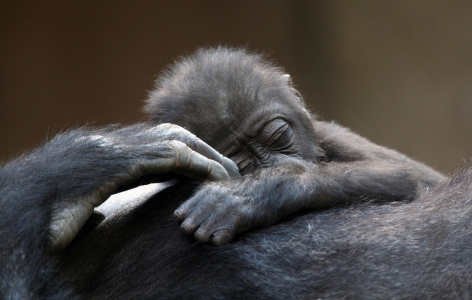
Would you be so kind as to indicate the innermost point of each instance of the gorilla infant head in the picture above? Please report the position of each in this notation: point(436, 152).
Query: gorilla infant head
point(247, 109)
point(239, 103)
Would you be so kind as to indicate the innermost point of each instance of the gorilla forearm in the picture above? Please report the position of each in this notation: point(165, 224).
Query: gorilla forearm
point(352, 169)
point(220, 210)
point(347, 148)
point(30, 187)
point(50, 193)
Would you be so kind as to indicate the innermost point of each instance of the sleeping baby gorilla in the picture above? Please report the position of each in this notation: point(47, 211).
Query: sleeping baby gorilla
point(291, 164)
point(248, 110)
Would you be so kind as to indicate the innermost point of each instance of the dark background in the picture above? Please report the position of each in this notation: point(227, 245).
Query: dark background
point(397, 72)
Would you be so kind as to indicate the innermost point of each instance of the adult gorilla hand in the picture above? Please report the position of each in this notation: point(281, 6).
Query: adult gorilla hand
point(131, 154)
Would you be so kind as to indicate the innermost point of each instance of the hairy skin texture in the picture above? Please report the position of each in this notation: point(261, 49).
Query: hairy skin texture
point(415, 250)
point(293, 166)
point(248, 111)
point(48, 195)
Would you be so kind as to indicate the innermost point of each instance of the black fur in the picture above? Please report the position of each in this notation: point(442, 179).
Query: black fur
point(415, 250)
point(246, 109)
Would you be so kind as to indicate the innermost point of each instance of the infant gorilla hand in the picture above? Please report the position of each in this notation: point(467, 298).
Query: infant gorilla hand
point(216, 213)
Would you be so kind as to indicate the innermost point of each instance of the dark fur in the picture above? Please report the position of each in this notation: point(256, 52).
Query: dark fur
point(32, 186)
point(237, 102)
point(417, 249)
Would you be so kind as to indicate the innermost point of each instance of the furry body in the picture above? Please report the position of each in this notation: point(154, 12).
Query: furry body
point(305, 216)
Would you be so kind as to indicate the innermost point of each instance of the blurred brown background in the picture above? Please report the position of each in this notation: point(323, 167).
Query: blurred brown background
point(397, 72)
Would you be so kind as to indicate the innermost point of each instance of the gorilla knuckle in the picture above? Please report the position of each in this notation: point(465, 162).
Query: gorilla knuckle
point(222, 236)
point(179, 214)
point(188, 226)
point(202, 235)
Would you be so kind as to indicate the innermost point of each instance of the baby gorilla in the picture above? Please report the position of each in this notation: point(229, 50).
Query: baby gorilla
point(247, 109)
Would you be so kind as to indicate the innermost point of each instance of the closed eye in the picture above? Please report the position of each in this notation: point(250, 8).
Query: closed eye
point(246, 166)
point(277, 136)
point(281, 139)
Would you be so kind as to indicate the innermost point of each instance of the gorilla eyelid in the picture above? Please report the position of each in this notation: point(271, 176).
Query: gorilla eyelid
point(244, 164)
point(281, 139)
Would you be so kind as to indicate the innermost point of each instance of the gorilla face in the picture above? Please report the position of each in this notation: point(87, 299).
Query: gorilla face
point(240, 104)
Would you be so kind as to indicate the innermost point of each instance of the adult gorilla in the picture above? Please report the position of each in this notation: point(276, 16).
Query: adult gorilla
point(291, 163)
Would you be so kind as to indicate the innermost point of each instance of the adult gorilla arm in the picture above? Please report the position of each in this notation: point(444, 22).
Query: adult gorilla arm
point(49, 194)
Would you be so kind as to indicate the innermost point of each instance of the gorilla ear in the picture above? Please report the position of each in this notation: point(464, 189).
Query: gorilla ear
point(288, 80)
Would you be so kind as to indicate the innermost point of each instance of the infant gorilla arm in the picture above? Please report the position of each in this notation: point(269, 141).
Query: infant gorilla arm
point(247, 110)
point(48, 195)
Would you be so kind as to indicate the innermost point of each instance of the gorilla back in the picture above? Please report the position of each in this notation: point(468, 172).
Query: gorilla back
point(415, 245)
point(247, 110)
point(415, 250)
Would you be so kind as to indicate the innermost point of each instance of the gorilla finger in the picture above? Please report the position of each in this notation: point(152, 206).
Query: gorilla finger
point(197, 216)
point(204, 149)
point(175, 132)
point(176, 157)
point(194, 165)
point(189, 226)
point(203, 233)
point(184, 209)
point(180, 214)
point(222, 236)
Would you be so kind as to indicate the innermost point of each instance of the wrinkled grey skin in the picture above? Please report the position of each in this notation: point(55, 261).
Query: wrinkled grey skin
point(294, 168)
